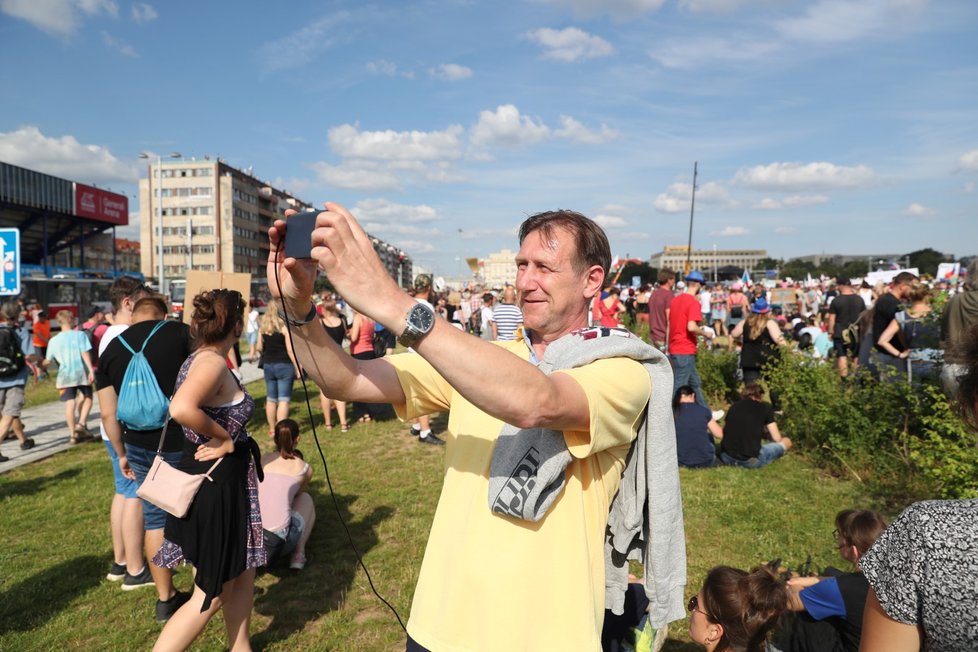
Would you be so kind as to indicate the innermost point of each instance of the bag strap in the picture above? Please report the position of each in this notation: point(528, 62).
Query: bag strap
point(158, 326)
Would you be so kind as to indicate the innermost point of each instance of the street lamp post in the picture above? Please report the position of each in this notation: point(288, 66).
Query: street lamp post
point(159, 213)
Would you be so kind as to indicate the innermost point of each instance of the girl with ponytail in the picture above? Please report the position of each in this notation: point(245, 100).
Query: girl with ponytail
point(735, 610)
point(287, 511)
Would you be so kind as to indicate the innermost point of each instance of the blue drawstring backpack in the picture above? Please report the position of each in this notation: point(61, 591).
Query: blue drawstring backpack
point(142, 405)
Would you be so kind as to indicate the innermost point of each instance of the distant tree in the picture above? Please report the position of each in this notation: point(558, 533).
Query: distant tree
point(927, 260)
point(799, 269)
point(769, 263)
point(646, 273)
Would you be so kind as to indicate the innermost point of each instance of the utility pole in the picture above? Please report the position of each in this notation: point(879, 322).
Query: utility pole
point(692, 207)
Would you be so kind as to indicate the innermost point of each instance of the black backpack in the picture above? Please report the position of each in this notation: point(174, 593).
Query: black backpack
point(11, 355)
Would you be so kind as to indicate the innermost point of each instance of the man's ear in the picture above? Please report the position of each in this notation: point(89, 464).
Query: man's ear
point(593, 281)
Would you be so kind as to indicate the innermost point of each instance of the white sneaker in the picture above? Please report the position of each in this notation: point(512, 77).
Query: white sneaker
point(298, 562)
point(718, 414)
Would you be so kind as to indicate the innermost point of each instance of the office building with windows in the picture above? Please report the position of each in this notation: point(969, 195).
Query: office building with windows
point(674, 257)
point(216, 218)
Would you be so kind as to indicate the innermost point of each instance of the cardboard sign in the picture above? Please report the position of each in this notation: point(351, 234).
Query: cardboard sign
point(198, 282)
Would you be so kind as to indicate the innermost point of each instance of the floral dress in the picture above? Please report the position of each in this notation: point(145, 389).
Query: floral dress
point(221, 535)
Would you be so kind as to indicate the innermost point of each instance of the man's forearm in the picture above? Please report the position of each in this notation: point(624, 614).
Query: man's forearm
point(338, 374)
point(518, 393)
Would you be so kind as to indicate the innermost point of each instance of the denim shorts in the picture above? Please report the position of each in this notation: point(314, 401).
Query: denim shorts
point(279, 377)
point(280, 543)
point(123, 485)
point(140, 459)
point(769, 453)
point(252, 338)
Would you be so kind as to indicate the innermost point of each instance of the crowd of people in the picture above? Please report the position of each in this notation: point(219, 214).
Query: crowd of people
point(584, 457)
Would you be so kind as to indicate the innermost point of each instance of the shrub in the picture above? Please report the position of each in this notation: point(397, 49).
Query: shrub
point(718, 373)
point(903, 441)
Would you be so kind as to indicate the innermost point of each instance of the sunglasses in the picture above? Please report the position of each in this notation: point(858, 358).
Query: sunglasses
point(694, 604)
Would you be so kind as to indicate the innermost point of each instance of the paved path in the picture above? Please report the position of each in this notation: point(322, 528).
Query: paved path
point(46, 425)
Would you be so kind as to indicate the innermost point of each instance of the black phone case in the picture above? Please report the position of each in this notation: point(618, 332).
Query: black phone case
point(298, 234)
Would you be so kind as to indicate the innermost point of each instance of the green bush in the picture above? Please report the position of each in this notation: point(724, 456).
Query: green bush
point(718, 374)
point(904, 442)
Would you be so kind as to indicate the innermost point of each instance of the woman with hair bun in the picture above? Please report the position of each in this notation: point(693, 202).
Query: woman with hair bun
point(735, 610)
point(221, 535)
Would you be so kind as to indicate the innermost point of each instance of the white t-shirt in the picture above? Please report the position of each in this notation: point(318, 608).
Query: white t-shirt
point(486, 315)
point(252, 325)
point(706, 298)
point(110, 334)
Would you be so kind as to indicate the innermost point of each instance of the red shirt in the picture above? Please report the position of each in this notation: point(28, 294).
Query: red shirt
point(684, 309)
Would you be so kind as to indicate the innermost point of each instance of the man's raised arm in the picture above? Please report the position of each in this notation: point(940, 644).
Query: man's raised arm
point(516, 391)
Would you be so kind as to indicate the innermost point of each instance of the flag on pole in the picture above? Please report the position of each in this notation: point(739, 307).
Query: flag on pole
point(745, 279)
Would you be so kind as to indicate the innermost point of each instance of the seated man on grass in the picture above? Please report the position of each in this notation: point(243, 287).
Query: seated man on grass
point(749, 419)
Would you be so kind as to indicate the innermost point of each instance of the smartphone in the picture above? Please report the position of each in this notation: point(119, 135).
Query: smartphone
point(298, 234)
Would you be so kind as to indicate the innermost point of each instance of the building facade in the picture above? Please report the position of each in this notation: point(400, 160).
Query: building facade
point(102, 252)
point(499, 269)
point(216, 218)
point(674, 257)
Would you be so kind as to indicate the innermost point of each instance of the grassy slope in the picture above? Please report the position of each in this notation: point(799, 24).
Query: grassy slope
point(57, 548)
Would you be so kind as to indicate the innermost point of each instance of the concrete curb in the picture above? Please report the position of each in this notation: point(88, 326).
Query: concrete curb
point(45, 424)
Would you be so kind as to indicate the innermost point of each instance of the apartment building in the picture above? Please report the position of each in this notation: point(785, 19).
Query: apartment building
point(216, 218)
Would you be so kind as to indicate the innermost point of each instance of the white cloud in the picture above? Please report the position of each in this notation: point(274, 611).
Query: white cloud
point(348, 141)
point(678, 196)
point(415, 247)
point(573, 130)
point(839, 21)
point(569, 44)
point(731, 231)
point(696, 52)
point(803, 176)
point(64, 157)
point(505, 126)
point(381, 210)
point(918, 210)
point(969, 160)
point(784, 230)
point(791, 202)
point(58, 17)
point(122, 48)
point(710, 6)
point(616, 8)
point(143, 13)
point(303, 45)
point(610, 221)
point(450, 72)
point(386, 160)
point(969, 187)
point(356, 177)
point(382, 67)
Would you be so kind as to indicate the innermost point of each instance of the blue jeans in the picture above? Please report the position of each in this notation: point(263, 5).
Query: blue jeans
point(140, 459)
point(769, 453)
point(684, 373)
point(123, 485)
point(278, 381)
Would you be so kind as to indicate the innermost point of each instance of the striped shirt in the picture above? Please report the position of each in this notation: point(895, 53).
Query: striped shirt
point(508, 318)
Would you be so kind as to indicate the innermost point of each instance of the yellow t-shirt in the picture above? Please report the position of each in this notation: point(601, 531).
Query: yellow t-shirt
point(493, 583)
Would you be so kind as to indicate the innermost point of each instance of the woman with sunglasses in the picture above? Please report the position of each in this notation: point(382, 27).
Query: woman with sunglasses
point(735, 610)
point(221, 535)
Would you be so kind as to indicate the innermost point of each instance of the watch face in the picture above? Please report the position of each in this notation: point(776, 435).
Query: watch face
point(422, 318)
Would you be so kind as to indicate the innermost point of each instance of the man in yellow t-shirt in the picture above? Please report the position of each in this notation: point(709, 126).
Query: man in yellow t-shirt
point(488, 581)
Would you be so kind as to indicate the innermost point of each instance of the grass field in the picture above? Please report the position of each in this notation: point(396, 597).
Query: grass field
point(56, 546)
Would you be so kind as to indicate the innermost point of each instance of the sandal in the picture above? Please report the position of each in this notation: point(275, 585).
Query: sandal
point(72, 440)
point(328, 426)
point(345, 428)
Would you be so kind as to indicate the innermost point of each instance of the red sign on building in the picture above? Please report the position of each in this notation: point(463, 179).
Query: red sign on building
point(101, 205)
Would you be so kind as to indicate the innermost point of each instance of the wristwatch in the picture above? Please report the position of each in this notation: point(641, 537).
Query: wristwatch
point(420, 321)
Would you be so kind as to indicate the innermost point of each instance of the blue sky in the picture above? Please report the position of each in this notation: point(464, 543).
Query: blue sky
point(821, 126)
